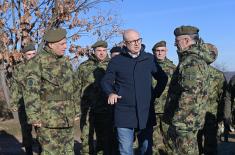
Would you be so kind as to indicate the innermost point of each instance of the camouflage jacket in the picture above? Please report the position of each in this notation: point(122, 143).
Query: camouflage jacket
point(216, 89)
point(51, 91)
point(229, 99)
point(89, 75)
point(16, 83)
point(168, 67)
point(216, 92)
point(188, 93)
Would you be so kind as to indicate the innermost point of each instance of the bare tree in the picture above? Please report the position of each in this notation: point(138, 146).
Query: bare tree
point(22, 21)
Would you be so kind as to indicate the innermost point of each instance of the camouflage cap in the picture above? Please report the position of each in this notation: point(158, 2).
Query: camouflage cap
point(185, 30)
point(159, 44)
point(117, 49)
point(55, 35)
point(28, 47)
point(100, 43)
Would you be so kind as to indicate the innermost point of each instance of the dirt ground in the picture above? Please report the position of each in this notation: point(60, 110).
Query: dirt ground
point(10, 141)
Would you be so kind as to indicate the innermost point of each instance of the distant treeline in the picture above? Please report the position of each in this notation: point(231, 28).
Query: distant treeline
point(228, 75)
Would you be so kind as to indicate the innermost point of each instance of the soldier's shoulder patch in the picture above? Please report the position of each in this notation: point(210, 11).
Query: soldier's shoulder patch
point(30, 82)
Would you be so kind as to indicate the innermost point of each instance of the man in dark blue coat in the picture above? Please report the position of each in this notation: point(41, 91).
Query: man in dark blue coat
point(128, 84)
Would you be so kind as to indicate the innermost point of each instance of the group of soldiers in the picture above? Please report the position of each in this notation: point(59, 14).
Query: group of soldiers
point(50, 97)
point(192, 112)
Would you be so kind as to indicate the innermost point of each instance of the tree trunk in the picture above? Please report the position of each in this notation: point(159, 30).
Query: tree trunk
point(5, 89)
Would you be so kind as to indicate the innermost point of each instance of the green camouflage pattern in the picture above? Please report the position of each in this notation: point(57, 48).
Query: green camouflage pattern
point(56, 141)
point(229, 112)
point(89, 75)
point(51, 91)
point(17, 102)
point(87, 134)
point(216, 92)
point(208, 136)
point(187, 98)
point(93, 100)
point(169, 68)
point(51, 98)
point(160, 142)
point(160, 130)
point(16, 91)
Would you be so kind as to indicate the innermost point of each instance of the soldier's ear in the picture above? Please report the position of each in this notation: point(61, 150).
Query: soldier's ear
point(166, 50)
point(50, 45)
point(188, 39)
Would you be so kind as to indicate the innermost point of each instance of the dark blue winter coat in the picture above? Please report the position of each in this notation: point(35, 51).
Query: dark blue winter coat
point(131, 78)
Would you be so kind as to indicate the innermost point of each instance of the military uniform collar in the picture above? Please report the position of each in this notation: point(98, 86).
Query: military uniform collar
point(162, 61)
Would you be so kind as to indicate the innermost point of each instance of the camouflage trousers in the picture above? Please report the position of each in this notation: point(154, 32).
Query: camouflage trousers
point(56, 141)
point(87, 134)
point(160, 144)
point(183, 142)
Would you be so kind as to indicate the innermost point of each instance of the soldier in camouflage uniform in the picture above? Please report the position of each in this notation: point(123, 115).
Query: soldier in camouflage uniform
point(50, 94)
point(187, 92)
point(160, 52)
point(214, 108)
point(229, 112)
point(17, 101)
point(96, 113)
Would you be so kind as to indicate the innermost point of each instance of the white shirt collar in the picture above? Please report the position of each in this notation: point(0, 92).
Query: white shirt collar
point(134, 55)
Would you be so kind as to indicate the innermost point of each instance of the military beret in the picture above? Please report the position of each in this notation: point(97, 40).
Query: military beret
point(116, 49)
point(55, 35)
point(100, 43)
point(29, 47)
point(186, 30)
point(159, 44)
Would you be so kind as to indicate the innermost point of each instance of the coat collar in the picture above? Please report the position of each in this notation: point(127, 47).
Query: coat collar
point(142, 55)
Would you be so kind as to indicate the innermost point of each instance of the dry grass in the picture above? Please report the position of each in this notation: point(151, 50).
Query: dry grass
point(11, 126)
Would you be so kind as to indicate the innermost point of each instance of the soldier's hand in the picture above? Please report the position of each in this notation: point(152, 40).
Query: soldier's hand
point(37, 124)
point(14, 109)
point(113, 98)
point(76, 118)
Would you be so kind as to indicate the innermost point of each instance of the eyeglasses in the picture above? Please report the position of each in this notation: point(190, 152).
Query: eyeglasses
point(133, 42)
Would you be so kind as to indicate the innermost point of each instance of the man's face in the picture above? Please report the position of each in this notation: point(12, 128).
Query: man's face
point(160, 53)
point(59, 47)
point(30, 54)
point(101, 53)
point(182, 42)
point(133, 42)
